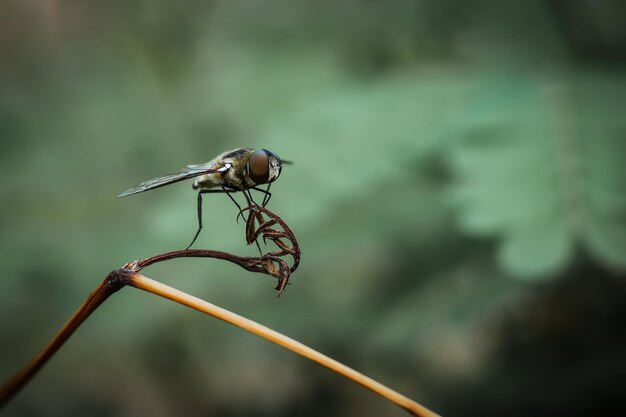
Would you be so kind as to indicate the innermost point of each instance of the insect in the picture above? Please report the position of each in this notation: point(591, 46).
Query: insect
point(242, 169)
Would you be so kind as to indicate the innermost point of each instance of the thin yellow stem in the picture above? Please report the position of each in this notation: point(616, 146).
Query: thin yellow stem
point(144, 283)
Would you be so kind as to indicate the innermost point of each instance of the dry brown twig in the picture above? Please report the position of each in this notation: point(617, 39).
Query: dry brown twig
point(272, 263)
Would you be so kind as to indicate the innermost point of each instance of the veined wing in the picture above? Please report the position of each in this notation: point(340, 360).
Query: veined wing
point(189, 172)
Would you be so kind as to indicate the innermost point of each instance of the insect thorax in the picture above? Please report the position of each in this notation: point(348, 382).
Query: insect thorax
point(234, 178)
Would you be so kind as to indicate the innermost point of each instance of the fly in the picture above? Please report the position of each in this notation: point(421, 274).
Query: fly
point(242, 169)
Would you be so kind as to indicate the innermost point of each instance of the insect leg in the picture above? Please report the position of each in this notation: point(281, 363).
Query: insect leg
point(232, 198)
point(249, 197)
point(200, 210)
point(267, 196)
point(228, 193)
point(199, 219)
point(234, 201)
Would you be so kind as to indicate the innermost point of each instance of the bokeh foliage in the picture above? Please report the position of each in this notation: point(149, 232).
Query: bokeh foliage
point(442, 151)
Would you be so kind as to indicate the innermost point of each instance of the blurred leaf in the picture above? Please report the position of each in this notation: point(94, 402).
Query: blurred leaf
point(544, 171)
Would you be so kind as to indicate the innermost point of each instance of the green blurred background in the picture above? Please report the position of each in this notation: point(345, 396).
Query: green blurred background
point(458, 194)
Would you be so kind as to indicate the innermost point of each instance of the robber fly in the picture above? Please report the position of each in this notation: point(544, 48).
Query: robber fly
point(242, 169)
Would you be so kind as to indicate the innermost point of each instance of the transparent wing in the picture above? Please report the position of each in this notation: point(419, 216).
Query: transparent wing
point(189, 172)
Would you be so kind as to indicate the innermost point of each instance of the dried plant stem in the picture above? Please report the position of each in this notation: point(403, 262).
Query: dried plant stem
point(122, 277)
point(100, 294)
point(154, 287)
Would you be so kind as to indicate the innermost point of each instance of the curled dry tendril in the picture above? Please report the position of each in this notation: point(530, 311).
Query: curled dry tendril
point(272, 263)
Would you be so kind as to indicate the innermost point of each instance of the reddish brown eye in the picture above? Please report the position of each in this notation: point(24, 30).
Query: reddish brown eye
point(259, 167)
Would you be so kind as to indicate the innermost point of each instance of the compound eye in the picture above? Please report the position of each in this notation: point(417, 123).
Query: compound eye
point(259, 167)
